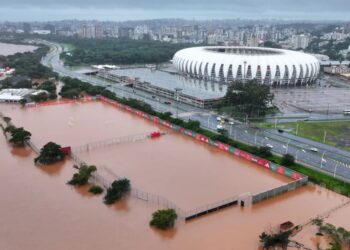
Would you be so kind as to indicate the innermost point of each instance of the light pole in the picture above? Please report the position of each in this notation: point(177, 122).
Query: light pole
point(287, 145)
point(256, 133)
point(177, 94)
point(322, 159)
point(297, 130)
point(244, 73)
point(324, 136)
point(335, 169)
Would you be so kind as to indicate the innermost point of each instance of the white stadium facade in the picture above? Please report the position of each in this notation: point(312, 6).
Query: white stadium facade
point(276, 67)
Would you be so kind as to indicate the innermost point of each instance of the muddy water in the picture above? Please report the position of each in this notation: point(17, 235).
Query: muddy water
point(76, 124)
point(39, 211)
point(10, 49)
point(189, 173)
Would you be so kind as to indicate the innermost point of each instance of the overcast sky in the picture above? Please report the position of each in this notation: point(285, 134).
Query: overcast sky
point(120, 10)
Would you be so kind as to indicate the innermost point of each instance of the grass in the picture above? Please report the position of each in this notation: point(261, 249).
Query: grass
point(69, 47)
point(337, 132)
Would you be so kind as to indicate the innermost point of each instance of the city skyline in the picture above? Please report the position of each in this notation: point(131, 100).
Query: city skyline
point(121, 10)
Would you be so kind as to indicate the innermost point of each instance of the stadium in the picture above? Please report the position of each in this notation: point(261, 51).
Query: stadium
point(275, 67)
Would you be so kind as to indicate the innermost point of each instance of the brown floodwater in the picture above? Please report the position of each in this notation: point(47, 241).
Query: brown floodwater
point(39, 211)
point(187, 172)
point(7, 49)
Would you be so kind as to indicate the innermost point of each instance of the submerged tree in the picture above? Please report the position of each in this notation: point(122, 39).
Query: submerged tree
point(275, 240)
point(164, 219)
point(116, 191)
point(19, 136)
point(50, 153)
point(83, 176)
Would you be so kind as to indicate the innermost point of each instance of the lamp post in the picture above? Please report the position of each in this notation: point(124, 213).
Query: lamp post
point(335, 169)
point(177, 95)
point(244, 73)
point(322, 159)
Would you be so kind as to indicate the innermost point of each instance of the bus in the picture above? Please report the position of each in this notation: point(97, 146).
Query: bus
point(346, 112)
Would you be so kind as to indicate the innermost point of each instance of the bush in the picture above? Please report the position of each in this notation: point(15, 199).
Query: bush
point(164, 219)
point(287, 160)
point(96, 190)
point(116, 191)
point(50, 153)
point(83, 176)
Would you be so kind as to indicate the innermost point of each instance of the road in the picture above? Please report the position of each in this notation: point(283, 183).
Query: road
point(329, 159)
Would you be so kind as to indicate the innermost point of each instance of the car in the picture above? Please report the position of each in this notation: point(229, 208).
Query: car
point(314, 150)
point(167, 103)
point(280, 131)
point(218, 118)
point(269, 146)
point(219, 127)
point(153, 96)
point(231, 122)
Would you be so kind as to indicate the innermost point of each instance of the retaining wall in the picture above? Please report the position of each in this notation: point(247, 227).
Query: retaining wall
point(279, 190)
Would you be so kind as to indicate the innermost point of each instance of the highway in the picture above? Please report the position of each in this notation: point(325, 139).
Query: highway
point(328, 159)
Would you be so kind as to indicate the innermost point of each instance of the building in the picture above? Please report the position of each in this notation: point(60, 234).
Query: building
point(300, 41)
point(16, 95)
point(337, 70)
point(266, 65)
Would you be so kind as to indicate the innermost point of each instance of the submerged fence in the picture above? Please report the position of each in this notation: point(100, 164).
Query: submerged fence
point(110, 142)
point(279, 190)
point(158, 200)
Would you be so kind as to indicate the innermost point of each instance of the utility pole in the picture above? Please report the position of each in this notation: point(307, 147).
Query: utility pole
point(297, 130)
point(177, 95)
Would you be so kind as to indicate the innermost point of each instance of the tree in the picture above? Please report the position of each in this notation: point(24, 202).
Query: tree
point(274, 240)
point(164, 219)
point(7, 119)
point(264, 152)
point(23, 102)
point(83, 176)
point(250, 97)
point(116, 191)
point(96, 190)
point(19, 136)
point(287, 160)
point(50, 153)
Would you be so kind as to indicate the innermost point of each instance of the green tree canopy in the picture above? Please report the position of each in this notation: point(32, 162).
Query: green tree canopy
point(250, 97)
point(83, 176)
point(116, 191)
point(19, 136)
point(163, 219)
point(50, 153)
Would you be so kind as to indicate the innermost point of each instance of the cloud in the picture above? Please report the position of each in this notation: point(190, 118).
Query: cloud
point(191, 9)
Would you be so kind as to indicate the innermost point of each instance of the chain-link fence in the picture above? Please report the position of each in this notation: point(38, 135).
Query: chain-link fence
point(110, 142)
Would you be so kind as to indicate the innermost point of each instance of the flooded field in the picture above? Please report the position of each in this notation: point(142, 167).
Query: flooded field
point(39, 211)
point(7, 49)
point(76, 124)
point(186, 172)
point(206, 174)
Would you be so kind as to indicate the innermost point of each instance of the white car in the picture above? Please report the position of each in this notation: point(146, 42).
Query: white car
point(269, 146)
point(314, 150)
point(219, 127)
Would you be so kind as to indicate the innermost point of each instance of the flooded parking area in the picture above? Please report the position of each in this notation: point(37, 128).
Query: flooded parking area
point(39, 211)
